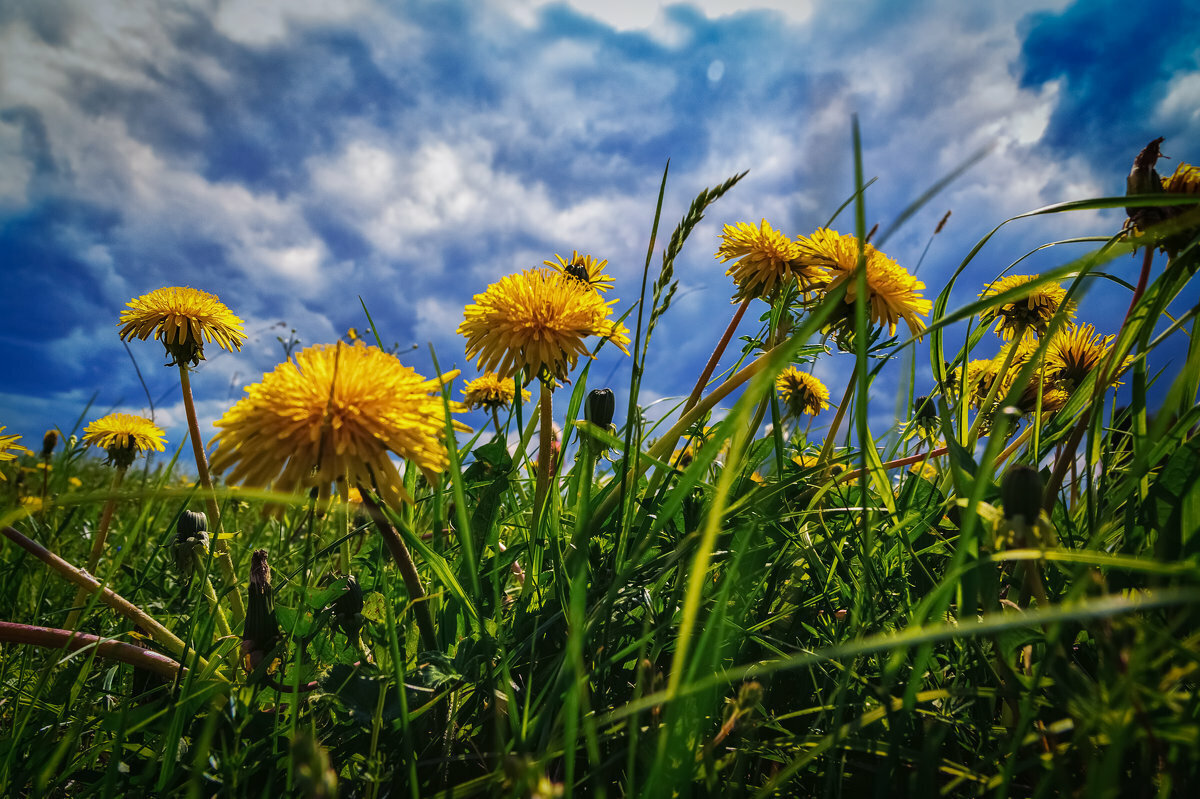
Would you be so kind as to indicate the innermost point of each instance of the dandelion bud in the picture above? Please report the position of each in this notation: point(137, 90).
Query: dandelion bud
point(600, 407)
point(49, 442)
point(191, 541)
point(262, 628)
point(925, 414)
point(1021, 492)
point(347, 610)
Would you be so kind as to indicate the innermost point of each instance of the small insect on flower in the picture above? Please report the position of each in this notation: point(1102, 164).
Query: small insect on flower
point(1030, 311)
point(123, 435)
point(183, 319)
point(585, 269)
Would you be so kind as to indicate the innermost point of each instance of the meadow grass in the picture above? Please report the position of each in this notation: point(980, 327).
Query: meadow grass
point(999, 600)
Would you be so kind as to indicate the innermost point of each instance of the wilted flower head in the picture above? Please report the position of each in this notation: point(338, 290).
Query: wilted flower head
point(49, 442)
point(9, 448)
point(183, 319)
point(492, 392)
point(1144, 179)
point(892, 293)
point(583, 268)
point(123, 435)
point(334, 414)
point(766, 259)
point(801, 393)
point(536, 322)
point(1031, 310)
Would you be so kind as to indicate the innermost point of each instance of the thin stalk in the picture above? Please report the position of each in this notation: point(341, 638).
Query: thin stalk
point(220, 548)
point(831, 436)
point(545, 453)
point(107, 648)
point(986, 408)
point(109, 597)
point(711, 366)
point(98, 540)
point(408, 569)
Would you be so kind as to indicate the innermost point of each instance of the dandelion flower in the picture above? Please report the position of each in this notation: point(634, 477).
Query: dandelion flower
point(9, 448)
point(334, 413)
point(766, 259)
point(1185, 180)
point(801, 392)
point(492, 392)
point(123, 435)
point(892, 293)
point(1075, 353)
point(183, 319)
point(583, 268)
point(536, 322)
point(1032, 310)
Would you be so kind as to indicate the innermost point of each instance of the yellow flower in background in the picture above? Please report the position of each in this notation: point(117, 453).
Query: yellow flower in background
point(123, 435)
point(766, 259)
point(1032, 311)
point(801, 392)
point(9, 448)
point(536, 322)
point(491, 391)
point(334, 414)
point(183, 319)
point(892, 293)
point(1185, 180)
point(1074, 353)
point(583, 268)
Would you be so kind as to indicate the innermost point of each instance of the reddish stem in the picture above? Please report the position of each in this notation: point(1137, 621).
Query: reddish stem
point(54, 638)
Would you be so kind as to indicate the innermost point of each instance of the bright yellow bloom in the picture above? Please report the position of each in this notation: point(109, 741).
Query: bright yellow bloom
point(536, 322)
point(766, 260)
point(491, 391)
point(1185, 180)
point(801, 392)
point(9, 448)
point(583, 268)
point(123, 435)
point(183, 319)
point(1032, 311)
point(1074, 353)
point(892, 293)
point(334, 414)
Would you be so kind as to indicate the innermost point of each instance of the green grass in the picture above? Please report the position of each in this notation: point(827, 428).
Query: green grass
point(733, 624)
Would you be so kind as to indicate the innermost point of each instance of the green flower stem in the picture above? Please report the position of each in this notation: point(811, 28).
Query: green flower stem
point(220, 548)
point(408, 569)
point(579, 541)
point(109, 597)
point(663, 448)
point(711, 366)
point(97, 545)
point(545, 452)
point(831, 435)
point(985, 409)
point(54, 638)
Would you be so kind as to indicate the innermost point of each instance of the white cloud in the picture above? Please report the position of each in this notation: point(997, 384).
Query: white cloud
point(1181, 105)
point(14, 180)
point(267, 22)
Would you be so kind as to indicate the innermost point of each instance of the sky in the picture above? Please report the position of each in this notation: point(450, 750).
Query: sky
point(298, 159)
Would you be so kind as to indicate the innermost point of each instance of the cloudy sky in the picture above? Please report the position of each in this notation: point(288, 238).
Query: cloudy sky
point(292, 157)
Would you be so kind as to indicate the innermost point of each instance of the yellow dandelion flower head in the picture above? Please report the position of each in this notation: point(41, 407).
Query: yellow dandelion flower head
point(335, 413)
point(981, 374)
point(583, 268)
point(892, 293)
point(1032, 311)
point(1074, 353)
point(683, 456)
point(183, 319)
point(1185, 180)
point(801, 392)
point(765, 260)
point(537, 322)
point(123, 435)
point(925, 469)
point(492, 392)
point(9, 448)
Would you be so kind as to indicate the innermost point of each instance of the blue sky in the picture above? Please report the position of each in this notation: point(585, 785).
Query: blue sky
point(291, 157)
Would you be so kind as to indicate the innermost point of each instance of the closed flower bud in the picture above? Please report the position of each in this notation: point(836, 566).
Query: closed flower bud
point(1021, 492)
point(601, 404)
point(49, 442)
point(191, 541)
point(262, 628)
